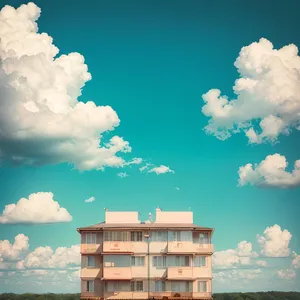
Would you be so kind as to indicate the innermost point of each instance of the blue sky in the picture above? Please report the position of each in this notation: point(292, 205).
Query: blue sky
point(151, 62)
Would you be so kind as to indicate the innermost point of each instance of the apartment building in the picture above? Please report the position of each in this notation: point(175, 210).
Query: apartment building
point(123, 258)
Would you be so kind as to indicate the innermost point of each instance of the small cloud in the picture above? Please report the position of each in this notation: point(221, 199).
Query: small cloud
point(89, 200)
point(134, 161)
point(177, 188)
point(161, 170)
point(261, 263)
point(286, 274)
point(122, 174)
point(296, 260)
point(145, 167)
point(38, 208)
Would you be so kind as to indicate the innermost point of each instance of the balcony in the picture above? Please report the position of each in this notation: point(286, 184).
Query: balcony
point(202, 272)
point(180, 273)
point(199, 296)
point(91, 273)
point(90, 248)
point(189, 247)
point(117, 273)
point(124, 247)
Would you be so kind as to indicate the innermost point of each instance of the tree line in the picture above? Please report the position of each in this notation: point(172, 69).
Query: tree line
point(219, 296)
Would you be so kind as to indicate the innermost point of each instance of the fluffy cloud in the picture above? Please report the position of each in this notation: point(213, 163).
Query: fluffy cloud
point(296, 260)
point(235, 275)
point(122, 174)
point(38, 208)
point(232, 258)
point(267, 93)
point(275, 242)
point(271, 172)
point(89, 200)
point(261, 263)
point(161, 170)
point(41, 119)
point(46, 257)
point(286, 274)
point(13, 251)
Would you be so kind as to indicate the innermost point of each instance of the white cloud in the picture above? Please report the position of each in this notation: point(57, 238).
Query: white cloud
point(275, 242)
point(38, 208)
point(134, 161)
point(296, 260)
point(89, 200)
point(236, 275)
point(161, 170)
point(41, 119)
point(177, 188)
point(122, 174)
point(232, 258)
point(46, 257)
point(267, 91)
point(13, 251)
point(271, 172)
point(261, 263)
point(286, 274)
point(145, 167)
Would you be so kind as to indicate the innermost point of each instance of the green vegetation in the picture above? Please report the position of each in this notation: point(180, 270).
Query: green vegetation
point(223, 296)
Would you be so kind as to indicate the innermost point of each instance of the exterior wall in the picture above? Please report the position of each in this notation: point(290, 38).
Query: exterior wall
point(189, 247)
point(185, 217)
point(115, 273)
point(91, 248)
point(117, 217)
point(116, 246)
point(98, 289)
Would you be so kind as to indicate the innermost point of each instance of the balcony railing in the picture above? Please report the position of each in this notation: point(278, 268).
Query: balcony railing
point(117, 273)
point(180, 273)
point(189, 247)
point(124, 247)
point(90, 248)
point(91, 273)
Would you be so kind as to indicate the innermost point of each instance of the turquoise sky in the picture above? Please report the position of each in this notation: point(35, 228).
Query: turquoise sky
point(152, 61)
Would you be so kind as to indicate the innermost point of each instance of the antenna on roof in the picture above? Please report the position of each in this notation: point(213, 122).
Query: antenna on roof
point(150, 217)
point(105, 208)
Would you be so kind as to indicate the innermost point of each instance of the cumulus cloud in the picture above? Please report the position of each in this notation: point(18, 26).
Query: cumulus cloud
point(13, 251)
point(275, 242)
point(38, 208)
point(296, 260)
point(286, 274)
point(233, 258)
point(267, 101)
point(236, 275)
point(271, 172)
point(46, 257)
point(122, 174)
point(89, 200)
point(41, 119)
point(161, 170)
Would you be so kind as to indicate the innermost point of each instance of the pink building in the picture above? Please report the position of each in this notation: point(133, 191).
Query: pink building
point(123, 258)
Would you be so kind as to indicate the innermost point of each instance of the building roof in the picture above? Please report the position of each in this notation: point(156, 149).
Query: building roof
point(103, 225)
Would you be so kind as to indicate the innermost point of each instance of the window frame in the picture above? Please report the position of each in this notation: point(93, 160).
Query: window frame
point(137, 286)
point(162, 286)
point(87, 261)
point(136, 258)
point(90, 241)
point(90, 283)
point(199, 286)
point(155, 260)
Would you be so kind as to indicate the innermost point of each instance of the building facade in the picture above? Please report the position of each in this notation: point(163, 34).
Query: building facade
point(123, 258)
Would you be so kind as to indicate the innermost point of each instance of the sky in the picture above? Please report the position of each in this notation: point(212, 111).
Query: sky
point(131, 105)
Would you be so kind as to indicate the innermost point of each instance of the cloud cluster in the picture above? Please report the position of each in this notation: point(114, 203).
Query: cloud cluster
point(296, 260)
point(160, 170)
point(41, 119)
point(271, 172)
point(233, 258)
point(46, 257)
point(267, 101)
point(13, 251)
point(275, 242)
point(38, 208)
point(122, 174)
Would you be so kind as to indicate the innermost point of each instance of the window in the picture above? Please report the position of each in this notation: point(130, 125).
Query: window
point(90, 286)
point(117, 286)
point(204, 238)
point(159, 236)
point(160, 286)
point(180, 236)
point(137, 261)
point(116, 260)
point(116, 236)
point(90, 238)
point(90, 261)
point(202, 286)
point(181, 286)
point(159, 261)
point(137, 286)
point(200, 261)
point(136, 236)
point(182, 261)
